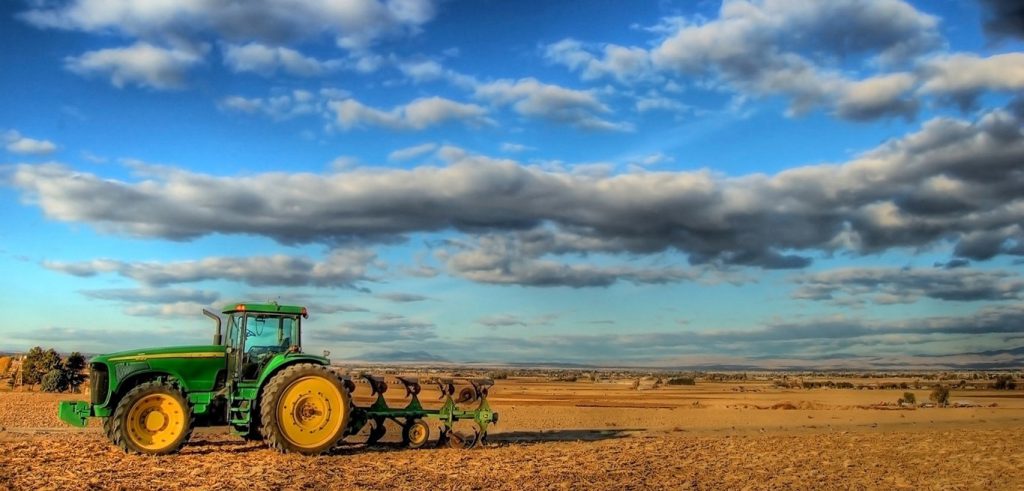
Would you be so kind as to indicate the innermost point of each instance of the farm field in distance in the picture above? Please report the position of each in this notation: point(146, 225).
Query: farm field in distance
point(609, 434)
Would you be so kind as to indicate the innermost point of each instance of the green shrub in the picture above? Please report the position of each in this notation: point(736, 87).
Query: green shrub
point(55, 381)
point(498, 375)
point(1005, 382)
point(682, 381)
point(940, 395)
point(38, 363)
point(909, 398)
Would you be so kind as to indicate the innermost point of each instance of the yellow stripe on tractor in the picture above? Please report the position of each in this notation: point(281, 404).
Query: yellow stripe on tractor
point(154, 356)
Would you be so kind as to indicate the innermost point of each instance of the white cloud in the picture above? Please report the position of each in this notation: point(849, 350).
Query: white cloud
point(623, 63)
point(355, 24)
point(170, 310)
point(417, 115)
point(15, 142)
point(268, 60)
point(877, 96)
point(952, 182)
point(91, 157)
point(773, 48)
point(658, 102)
point(140, 64)
point(656, 158)
point(965, 76)
point(509, 147)
point(278, 107)
point(341, 268)
point(531, 98)
point(429, 71)
point(412, 152)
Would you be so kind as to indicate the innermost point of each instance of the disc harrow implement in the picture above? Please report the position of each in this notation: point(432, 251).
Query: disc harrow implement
point(465, 403)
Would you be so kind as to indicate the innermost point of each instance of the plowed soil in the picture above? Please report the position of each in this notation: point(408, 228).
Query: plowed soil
point(578, 436)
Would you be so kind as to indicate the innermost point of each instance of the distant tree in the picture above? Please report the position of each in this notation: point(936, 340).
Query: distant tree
point(498, 375)
point(909, 398)
point(73, 367)
point(681, 381)
point(38, 363)
point(940, 395)
point(55, 381)
point(46, 367)
point(1005, 382)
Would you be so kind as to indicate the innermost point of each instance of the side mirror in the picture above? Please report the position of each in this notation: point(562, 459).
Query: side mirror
point(327, 353)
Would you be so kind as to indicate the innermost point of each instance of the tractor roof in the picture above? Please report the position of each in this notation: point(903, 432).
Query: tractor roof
point(269, 308)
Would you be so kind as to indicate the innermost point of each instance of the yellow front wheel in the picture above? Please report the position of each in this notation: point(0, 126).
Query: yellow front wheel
point(304, 408)
point(153, 418)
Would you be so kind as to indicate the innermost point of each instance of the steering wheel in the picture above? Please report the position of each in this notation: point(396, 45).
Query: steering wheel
point(260, 352)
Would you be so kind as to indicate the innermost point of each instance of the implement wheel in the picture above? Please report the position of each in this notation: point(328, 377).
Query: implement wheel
point(415, 433)
point(153, 418)
point(467, 394)
point(305, 409)
point(461, 440)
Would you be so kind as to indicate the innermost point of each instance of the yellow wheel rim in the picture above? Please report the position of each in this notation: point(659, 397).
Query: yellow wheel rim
point(310, 412)
point(155, 422)
point(418, 434)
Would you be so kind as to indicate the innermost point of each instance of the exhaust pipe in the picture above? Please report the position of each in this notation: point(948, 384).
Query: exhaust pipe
point(217, 337)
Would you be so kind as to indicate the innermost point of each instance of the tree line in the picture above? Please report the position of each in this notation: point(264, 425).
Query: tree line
point(51, 372)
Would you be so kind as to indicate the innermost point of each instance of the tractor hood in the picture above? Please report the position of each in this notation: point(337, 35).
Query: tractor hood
point(200, 351)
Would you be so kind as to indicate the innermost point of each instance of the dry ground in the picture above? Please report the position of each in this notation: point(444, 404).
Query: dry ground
point(581, 435)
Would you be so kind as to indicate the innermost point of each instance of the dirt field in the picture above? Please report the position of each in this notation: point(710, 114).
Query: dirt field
point(582, 435)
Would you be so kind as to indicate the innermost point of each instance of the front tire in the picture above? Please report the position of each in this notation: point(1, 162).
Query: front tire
point(153, 418)
point(304, 408)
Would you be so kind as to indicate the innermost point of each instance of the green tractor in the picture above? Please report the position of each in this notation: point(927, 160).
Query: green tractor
point(258, 381)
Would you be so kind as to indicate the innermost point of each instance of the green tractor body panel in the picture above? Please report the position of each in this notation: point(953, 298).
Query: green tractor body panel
point(282, 360)
point(195, 368)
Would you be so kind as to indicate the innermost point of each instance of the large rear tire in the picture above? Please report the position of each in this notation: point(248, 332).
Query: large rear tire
point(304, 408)
point(108, 428)
point(152, 418)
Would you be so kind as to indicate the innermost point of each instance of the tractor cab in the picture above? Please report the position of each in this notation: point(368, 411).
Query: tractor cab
point(255, 333)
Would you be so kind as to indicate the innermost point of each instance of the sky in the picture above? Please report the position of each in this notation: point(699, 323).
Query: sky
point(773, 184)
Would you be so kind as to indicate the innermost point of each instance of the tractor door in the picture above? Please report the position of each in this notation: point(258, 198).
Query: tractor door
point(235, 340)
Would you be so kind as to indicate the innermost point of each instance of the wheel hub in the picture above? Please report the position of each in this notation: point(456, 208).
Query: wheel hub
point(311, 411)
point(155, 420)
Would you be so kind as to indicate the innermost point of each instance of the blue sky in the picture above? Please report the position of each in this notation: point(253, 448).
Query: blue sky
point(749, 183)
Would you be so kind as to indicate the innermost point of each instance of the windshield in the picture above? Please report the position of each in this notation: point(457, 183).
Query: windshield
point(271, 333)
